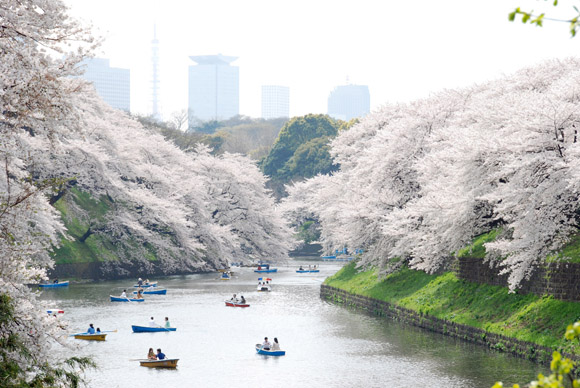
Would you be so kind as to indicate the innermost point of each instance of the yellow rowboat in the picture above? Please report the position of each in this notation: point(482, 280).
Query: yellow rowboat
point(91, 337)
point(167, 363)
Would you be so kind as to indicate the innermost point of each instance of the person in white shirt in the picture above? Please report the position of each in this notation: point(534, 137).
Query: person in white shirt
point(124, 294)
point(266, 345)
point(152, 323)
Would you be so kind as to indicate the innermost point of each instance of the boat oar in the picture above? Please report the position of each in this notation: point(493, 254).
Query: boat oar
point(137, 359)
point(108, 331)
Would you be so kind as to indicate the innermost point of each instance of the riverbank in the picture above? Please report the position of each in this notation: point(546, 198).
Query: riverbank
point(527, 325)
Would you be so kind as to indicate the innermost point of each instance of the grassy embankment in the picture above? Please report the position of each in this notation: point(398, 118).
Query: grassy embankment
point(98, 246)
point(537, 319)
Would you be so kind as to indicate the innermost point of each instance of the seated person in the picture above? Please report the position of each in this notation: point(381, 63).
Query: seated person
point(266, 345)
point(91, 329)
point(160, 356)
point(275, 345)
point(151, 355)
point(243, 300)
point(123, 294)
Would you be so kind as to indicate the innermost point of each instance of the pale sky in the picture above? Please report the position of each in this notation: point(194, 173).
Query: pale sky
point(403, 50)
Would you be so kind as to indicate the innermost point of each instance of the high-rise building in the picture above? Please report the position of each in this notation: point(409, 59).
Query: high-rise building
point(214, 88)
point(112, 84)
point(275, 101)
point(155, 75)
point(349, 101)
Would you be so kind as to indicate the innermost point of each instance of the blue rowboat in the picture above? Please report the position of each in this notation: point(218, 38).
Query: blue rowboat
point(269, 352)
point(153, 284)
point(328, 257)
point(147, 329)
point(54, 285)
point(266, 270)
point(119, 299)
point(154, 292)
point(307, 270)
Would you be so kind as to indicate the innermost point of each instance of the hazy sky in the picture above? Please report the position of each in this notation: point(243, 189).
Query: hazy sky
point(402, 50)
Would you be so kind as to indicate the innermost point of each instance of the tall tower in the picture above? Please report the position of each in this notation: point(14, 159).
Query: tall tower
point(213, 88)
point(155, 75)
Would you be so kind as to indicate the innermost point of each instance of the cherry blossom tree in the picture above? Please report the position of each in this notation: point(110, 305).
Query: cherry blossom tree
point(421, 180)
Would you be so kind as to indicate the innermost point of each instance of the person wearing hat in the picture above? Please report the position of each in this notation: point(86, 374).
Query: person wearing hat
point(266, 345)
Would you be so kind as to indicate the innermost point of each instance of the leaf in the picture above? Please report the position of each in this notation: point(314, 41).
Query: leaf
point(526, 17)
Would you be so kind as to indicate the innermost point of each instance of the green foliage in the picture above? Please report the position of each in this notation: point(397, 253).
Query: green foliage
point(40, 375)
point(538, 20)
point(308, 232)
point(477, 249)
point(282, 163)
point(569, 253)
point(526, 317)
point(562, 367)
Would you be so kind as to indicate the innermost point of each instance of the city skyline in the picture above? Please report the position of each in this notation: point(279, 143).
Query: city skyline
point(401, 51)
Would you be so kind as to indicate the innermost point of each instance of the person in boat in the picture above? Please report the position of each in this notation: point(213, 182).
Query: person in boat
point(140, 282)
point(300, 269)
point(151, 355)
point(146, 282)
point(167, 324)
point(55, 281)
point(123, 294)
point(91, 329)
point(152, 323)
point(243, 300)
point(98, 330)
point(275, 345)
point(234, 298)
point(259, 268)
point(139, 293)
point(160, 355)
point(266, 345)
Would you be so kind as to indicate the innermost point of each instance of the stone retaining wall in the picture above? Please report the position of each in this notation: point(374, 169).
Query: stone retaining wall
point(561, 280)
point(380, 308)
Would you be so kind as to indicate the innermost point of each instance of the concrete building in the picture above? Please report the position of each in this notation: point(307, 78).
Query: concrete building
point(275, 101)
point(349, 101)
point(214, 88)
point(112, 84)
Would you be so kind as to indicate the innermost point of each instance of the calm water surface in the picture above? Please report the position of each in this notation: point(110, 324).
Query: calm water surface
point(326, 345)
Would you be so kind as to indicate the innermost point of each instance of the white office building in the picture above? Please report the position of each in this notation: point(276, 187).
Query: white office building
point(275, 101)
point(214, 88)
point(349, 101)
point(112, 84)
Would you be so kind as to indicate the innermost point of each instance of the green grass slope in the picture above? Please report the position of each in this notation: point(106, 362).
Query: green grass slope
point(541, 320)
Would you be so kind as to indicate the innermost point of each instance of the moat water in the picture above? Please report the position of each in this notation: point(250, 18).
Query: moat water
point(326, 345)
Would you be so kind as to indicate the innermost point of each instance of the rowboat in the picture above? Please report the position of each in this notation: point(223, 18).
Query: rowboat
point(154, 292)
point(236, 304)
point(148, 329)
point(55, 311)
point(54, 285)
point(153, 284)
point(225, 276)
point(167, 363)
point(119, 299)
point(269, 352)
point(328, 257)
point(264, 287)
point(268, 270)
point(90, 337)
point(223, 270)
point(307, 270)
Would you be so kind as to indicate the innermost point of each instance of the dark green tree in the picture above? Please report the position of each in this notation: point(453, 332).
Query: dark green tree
point(297, 132)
